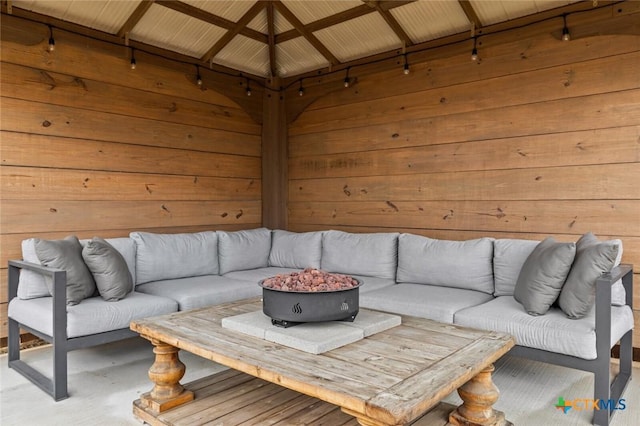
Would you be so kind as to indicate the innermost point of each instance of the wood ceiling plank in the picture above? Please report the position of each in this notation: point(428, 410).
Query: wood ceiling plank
point(299, 26)
point(202, 15)
point(135, 17)
point(231, 33)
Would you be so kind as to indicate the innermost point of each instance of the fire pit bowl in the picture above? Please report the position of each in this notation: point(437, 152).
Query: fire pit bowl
point(289, 308)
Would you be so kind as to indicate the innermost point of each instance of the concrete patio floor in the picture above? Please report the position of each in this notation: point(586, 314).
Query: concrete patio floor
point(105, 380)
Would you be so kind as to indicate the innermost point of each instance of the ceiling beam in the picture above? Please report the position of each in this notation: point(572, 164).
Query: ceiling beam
point(231, 33)
point(391, 22)
point(271, 33)
point(299, 26)
point(471, 14)
point(210, 18)
point(338, 18)
point(135, 17)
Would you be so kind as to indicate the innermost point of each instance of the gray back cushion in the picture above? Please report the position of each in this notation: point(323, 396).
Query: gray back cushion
point(543, 274)
point(167, 256)
point(241, 250)
point(295, 250)
point(67, 255)
point(373, 255)
point(457, 264)
point(31, 285)
point(109, 269)
point(593, 258)
point(509, 256)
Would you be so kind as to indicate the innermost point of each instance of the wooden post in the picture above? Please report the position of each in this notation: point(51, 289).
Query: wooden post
point(274, 158)
point(165, 373)
point(478, 396)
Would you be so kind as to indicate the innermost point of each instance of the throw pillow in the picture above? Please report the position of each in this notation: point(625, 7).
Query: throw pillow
point(109, 269)
point(543, 274)
point(593, 258)
point(67, 255)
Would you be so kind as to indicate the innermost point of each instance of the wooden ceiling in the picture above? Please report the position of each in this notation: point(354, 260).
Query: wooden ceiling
point(285, 38)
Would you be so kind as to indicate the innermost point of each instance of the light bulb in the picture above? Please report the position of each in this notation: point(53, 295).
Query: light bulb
point(133, 63)
point(199, 80)
point(248, 91)
point(406, 69)
point(474, 54)
point(301, 91)
point(565, 34)
point(52, 44)
point(346, 82)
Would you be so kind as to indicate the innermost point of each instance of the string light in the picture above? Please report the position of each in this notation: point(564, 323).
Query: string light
point(133, 59)
point(565, 30)
point(406, 65)
point(301, 89)
point(198, 76)
point(474, 52)
point(347, 81)
point(52, 42)
point(248, 90)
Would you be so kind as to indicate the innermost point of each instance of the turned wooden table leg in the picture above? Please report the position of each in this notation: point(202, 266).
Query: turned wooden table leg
point(165, 373)
point(478, 396)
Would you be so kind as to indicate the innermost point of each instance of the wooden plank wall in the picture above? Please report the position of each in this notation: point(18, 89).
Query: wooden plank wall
point(91, 147)
point(540, 137)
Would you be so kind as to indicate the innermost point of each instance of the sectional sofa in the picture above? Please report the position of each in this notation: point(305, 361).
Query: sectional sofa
point(521, 287)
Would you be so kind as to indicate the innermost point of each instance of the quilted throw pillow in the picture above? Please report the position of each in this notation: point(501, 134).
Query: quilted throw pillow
point(593, 258)
point(543, 274)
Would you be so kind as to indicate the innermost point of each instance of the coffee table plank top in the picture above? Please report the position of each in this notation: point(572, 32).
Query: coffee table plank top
point(395, 375)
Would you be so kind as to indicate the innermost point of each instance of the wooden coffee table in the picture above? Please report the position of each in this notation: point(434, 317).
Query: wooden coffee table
point(390, 378)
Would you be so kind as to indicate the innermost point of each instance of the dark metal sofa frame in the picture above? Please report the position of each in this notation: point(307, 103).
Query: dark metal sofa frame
point(56, 386)
point(604, 388)
point(600, 367)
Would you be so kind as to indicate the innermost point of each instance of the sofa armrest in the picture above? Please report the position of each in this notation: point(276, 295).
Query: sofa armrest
point(603, 304)
point(59, 278)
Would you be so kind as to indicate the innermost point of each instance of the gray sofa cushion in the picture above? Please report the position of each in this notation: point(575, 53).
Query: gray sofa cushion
point(593, 258)
point(66, 254)
point(373, 255)
point(457, 264)
point(242, 250)
point(109, 269)
point(543, 274)
point(508, 257)
point(31, 284)
point(295, 250)
point(552, 332)
point(423, 300)
point(167, 256)
point(202, 291)
point(94, 315)
point(369, 284)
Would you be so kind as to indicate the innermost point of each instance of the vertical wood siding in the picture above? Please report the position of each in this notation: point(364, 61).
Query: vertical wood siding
point(92, 148)
point(538, 138)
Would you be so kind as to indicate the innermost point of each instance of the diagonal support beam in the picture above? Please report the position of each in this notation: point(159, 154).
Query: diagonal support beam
point(271, 32)
point(391, 21)
point(202, 15)
point(299, 26)
point(135, 17)
point(230, 34)
point(472, 16)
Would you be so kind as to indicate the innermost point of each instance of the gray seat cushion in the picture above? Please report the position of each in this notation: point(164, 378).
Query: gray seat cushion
point(423, 300)
point(256, 275)
point(552, 332)
point(202, 291)
point(373, 283)
point(94, 315)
